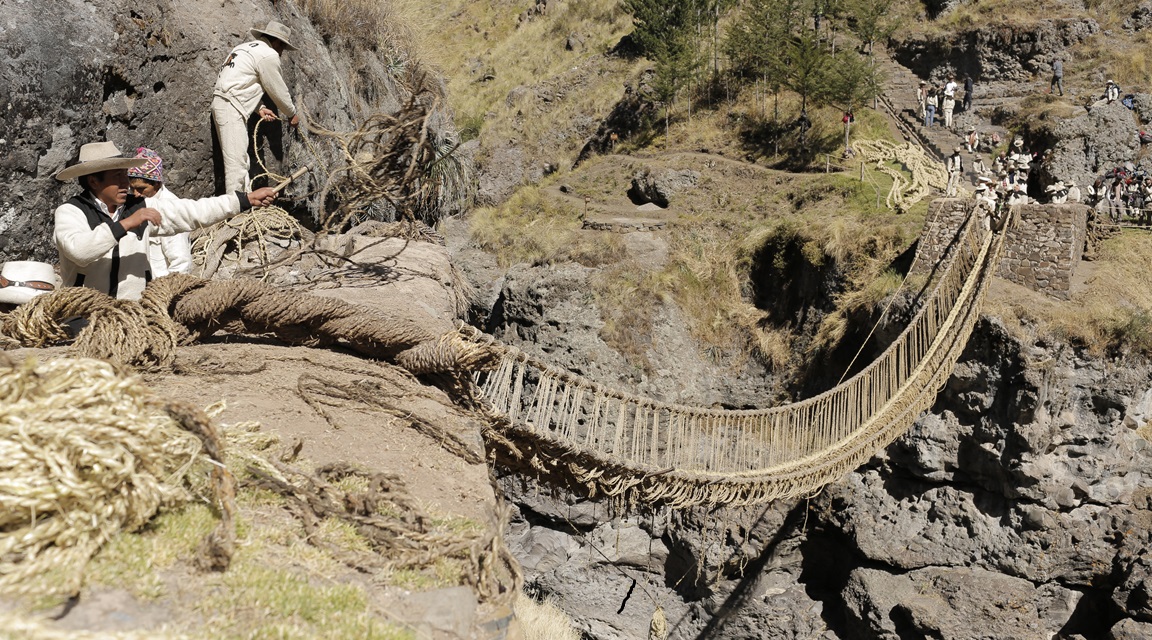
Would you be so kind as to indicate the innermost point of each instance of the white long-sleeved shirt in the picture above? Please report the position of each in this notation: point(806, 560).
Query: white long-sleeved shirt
point(253, 69)
point(108, 258)
point(169, 254)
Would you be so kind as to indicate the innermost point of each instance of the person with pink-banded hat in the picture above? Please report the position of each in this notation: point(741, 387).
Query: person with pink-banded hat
point(102, 234)
point(166, 254)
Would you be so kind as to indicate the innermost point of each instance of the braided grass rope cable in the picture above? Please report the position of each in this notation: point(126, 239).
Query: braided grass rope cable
point(85, 453)
point(643, 451)
point(180, 309)
point(927, 173)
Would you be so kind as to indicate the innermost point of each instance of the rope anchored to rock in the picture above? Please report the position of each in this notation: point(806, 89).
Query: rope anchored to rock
point(181, 309)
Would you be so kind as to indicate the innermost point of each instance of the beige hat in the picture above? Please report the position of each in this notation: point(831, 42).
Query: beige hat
point(20, 281)
point(96, 157)
point(274, 30)
point(958, 149)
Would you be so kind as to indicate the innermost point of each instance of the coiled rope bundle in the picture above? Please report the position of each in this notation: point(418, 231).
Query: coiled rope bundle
point(85, 453)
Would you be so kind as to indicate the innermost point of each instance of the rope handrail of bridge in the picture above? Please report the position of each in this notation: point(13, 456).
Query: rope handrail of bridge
point(613, 443)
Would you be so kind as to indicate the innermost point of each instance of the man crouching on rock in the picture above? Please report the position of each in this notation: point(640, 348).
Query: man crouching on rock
point(102, 234)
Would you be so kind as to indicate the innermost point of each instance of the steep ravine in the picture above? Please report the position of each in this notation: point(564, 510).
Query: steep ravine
point(1019, 506)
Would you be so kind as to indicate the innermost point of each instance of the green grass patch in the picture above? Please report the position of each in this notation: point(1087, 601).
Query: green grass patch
point(133, 561)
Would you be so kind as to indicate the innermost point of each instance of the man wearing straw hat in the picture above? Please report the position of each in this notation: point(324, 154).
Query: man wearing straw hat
point(102, 234)
point(251, 70)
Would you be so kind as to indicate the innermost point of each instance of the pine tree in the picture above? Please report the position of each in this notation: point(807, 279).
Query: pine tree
point(871, 20)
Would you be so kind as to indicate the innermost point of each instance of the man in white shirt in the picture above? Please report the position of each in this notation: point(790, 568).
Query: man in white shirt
point(102, 235)
point(166, 254)
point(251, 70)
point(949, 100)
point(955, 166)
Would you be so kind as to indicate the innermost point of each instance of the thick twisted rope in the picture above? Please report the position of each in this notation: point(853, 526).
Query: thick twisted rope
point(180, 309)
point(927, 173)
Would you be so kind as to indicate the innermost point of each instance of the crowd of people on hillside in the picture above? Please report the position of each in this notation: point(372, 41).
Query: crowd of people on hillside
point(1001, 177)
point(125, 227)
point(1123, 191)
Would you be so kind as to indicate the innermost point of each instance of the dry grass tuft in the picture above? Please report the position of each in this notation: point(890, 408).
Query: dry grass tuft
point(543, 620)
point(1113, 314)
point(531, 228)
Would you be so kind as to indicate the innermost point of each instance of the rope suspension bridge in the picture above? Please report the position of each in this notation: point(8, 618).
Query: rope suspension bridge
point(551, 422)
point(639, 450)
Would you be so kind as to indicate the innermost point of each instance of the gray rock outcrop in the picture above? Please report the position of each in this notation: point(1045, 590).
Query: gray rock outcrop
point(1090, 144)
point(1140, 19)
point(994, 52)
point(660, 187)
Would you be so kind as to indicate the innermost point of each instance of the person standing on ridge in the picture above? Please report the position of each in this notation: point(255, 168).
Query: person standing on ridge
point(955, 166)
point(921, 98)
point(251, 70)
point(1057, 76)
point(949, 101)
point(969, 86)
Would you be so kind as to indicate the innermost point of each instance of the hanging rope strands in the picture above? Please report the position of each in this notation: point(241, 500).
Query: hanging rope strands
point(395, 160)
point(180, 309)
point(927, 173)
point(606, 442)
point(88, 453)
point(402, 166)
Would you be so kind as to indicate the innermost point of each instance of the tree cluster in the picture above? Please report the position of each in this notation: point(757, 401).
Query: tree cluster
point(787, 44)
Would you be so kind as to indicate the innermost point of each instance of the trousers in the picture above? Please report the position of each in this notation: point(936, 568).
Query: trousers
point(232, 130)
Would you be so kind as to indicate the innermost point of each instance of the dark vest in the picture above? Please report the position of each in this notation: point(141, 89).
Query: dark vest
point(95, 218)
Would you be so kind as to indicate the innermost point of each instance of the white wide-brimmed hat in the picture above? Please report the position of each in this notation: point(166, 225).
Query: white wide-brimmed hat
point(20, 281)
point(1058, 186)
point(96, 157)
point(274, 30)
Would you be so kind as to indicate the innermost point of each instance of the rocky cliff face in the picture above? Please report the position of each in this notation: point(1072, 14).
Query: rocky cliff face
point(1021, 505)
point(546, 310)
point(1088, 145)
point(995, 51)
point(141, 74)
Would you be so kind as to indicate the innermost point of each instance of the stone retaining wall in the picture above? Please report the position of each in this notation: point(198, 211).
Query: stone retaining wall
point(1041, 250)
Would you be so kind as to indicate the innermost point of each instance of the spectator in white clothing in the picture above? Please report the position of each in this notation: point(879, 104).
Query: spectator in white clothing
point(251, 70)
point(102, 234)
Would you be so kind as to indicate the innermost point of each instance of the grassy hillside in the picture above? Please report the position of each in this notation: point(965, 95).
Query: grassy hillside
point(514, 82)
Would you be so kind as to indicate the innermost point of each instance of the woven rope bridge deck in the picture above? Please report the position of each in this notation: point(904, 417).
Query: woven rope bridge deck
point(607, 442)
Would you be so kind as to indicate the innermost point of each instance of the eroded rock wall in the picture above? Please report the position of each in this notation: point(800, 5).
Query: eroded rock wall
point(141, 74)
point(993, 51)
point(1020, 505)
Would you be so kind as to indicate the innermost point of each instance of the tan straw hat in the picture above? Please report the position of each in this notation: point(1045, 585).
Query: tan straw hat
point(274, 30)
point(96, 157)
point(20, 281)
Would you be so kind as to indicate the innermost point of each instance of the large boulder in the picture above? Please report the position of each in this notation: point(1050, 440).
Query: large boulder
point(1088, 145)
point(944, 602)
point(660, 186)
